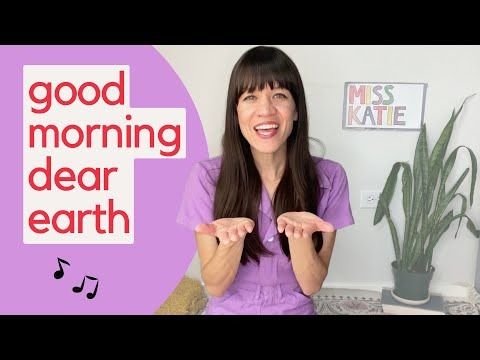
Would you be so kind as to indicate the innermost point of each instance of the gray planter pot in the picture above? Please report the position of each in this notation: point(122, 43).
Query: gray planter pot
point(411, 287)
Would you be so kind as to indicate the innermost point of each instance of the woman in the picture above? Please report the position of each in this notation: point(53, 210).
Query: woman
point(265, 213)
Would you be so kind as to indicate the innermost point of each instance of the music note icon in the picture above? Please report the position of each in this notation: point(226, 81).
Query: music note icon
point(59, 273)
point(90, 295)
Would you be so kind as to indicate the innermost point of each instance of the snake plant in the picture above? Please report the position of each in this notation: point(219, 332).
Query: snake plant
point(426, 199)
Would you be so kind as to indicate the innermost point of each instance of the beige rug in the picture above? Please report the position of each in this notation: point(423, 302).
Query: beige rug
point(189, 298)
point(355, 305)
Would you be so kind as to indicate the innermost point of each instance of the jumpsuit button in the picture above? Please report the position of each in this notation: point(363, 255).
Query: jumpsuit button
point(271, 239)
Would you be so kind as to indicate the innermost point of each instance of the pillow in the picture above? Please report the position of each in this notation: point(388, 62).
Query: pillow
point(188, 298)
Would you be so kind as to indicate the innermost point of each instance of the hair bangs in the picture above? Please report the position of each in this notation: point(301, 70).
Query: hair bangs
point(256, 76)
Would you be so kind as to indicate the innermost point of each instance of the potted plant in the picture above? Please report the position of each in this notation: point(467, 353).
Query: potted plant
point(426, 203)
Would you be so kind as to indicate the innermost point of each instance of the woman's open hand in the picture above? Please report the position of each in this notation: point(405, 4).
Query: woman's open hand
point(301, 224)
point(228, 230)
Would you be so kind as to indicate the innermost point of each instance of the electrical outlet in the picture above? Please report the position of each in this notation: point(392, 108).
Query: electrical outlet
point(369, 198)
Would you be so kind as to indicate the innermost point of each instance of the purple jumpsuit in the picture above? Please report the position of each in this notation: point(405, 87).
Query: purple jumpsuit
point(269, 287)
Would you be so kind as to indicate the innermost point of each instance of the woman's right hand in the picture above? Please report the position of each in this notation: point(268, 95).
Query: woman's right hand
point(228, 230)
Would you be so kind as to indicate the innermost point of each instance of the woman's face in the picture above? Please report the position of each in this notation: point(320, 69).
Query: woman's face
point(266, 118)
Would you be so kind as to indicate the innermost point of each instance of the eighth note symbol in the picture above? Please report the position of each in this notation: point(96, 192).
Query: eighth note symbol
point(59, 273)
point(90, 295)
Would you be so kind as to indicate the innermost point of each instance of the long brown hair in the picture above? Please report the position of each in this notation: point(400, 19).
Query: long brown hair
point(239, 186)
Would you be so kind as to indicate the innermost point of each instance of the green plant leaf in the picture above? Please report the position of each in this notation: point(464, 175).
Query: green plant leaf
point(447, 168)
point(472, 228)
point(449, 195)
point(439, 150)
point(416, 254)
point(464, 208)
point(385, 199)
point(407, 200)
point(423, 227)
point(387, 193)
point(445, 198)
point(437, 233)
point(436, 158)
point(420, 162)
point(470, 224)
point(473, 159)
point(450, 163)
point(393, 229)
point(464, 101)
point(444, 225)
point(420, 194)
point(413, 236)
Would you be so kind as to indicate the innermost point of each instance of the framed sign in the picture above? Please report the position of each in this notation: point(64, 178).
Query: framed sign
point(382, 105)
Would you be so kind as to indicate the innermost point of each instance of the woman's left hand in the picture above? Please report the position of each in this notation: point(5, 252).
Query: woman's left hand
point(302, 224)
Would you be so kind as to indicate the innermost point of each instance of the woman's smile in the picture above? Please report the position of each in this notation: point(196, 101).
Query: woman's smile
point(267, 130)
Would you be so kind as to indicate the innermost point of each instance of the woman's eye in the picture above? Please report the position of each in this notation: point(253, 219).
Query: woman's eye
point(280, 96)
point(249, 97)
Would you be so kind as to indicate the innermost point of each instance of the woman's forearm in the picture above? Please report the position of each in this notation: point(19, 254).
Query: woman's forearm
point(219, 273)
point(309, 269)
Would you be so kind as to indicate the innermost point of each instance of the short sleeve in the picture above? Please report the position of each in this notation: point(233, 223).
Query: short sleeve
point(338, 211)
point(197, 203)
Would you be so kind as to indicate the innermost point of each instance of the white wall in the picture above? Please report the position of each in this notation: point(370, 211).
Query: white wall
point(362, 252)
